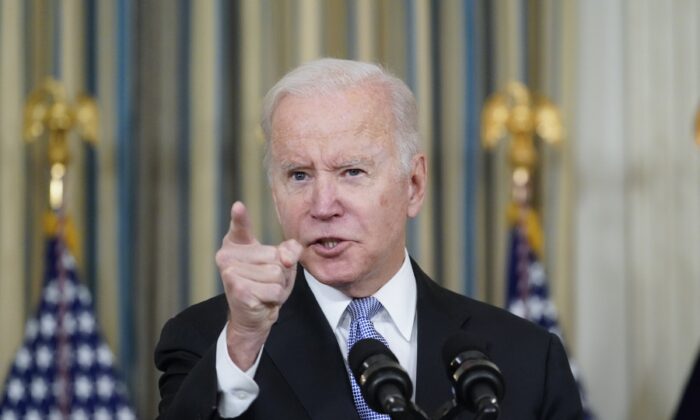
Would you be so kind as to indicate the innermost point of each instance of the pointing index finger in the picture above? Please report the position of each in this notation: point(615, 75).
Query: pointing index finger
point(239, 231)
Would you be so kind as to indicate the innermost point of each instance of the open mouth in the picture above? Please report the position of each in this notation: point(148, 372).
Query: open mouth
point(328, 243)
point(330, 247)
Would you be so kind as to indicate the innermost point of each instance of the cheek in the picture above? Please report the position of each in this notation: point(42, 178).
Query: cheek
point(384, 201)
point(391, 211)
point(393, 199)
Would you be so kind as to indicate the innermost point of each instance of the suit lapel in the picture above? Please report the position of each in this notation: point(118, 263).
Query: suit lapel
point(303, 347)
point(438, 319)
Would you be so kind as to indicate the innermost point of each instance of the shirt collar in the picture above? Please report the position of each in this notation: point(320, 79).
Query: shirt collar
point(397, 296)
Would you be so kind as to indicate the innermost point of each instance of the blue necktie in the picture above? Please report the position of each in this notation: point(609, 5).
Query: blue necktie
point(362, 311)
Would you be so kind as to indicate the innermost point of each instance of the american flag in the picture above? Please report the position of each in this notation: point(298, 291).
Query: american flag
point(64, 369)
point(528, 291)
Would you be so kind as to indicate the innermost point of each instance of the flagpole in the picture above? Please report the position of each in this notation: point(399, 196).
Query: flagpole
point(64, 368)
point(523, 117)
point(48, 111)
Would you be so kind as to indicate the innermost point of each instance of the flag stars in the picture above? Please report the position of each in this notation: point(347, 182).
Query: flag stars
point(9, 415)
point(84, 295)
point(39, 389)
point(15, 390)
point(535, 307)
point(536, 274)
point(33, 414)
point(79, 414)
point(44, 356)
point(517, 307)
point(83, 387)
point(51, 294)
point(68, 261)
point(32, 329)
point(86, 322)
point(102, 414)
point(62, 357)
point(48, 325)
point(23, 359)
point(104, 355)
point(125, 413)
point(105, 387)
point(86, 356)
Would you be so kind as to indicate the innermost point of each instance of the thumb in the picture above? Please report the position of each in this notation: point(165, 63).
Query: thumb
point(239, 231)
point(290, 252)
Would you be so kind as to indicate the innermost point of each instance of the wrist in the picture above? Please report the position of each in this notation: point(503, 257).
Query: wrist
point(244, 346)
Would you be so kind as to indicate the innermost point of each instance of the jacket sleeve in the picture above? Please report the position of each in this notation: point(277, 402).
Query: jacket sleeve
point(562, 399)
point(188, 387)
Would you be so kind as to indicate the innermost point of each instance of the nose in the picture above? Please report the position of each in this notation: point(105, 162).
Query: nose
point(325, 204)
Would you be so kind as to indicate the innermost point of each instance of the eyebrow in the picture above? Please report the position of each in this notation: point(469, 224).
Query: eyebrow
point(290, 166)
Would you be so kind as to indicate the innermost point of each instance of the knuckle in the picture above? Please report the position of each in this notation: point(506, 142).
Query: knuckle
point(238, 289)
point(228, 276)
point(248, 301)
point(220, 257)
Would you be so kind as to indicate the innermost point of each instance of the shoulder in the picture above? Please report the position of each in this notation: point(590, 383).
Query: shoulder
point(496, 326)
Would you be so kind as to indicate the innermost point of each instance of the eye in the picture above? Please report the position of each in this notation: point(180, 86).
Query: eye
point(354, 172)
point(299, 175)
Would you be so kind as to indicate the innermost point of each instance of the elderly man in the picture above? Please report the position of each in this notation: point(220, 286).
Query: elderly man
point(346, 173)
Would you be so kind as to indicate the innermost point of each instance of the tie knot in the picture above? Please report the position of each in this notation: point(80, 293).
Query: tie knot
point(364, 308)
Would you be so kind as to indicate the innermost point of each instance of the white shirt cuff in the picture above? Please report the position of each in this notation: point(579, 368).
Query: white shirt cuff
point(238, 389)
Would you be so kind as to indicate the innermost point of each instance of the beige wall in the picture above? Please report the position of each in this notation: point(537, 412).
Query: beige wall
point(637, 230)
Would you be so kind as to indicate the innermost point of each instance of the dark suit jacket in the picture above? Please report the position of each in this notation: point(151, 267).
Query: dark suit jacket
point(301, 374)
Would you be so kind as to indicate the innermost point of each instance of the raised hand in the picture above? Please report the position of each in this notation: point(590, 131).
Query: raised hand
point(257, 280)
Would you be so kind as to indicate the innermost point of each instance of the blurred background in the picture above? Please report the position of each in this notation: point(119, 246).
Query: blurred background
point(178, 86)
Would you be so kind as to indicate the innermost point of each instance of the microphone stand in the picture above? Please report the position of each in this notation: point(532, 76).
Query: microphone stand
point(411, 412)
point(487, 410)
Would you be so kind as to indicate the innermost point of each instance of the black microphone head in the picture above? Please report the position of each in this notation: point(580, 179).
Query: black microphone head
point(460, 343)
point(385, 385)
point(362, 350)
point(475, 378)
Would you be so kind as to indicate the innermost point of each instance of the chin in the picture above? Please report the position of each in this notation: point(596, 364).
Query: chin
point(331, 277)
point(351, 282)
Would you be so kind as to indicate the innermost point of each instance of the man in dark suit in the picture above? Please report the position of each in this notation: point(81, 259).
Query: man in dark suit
point(346, 172)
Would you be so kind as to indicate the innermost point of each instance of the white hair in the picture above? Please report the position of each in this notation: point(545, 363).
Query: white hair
point(328, 75)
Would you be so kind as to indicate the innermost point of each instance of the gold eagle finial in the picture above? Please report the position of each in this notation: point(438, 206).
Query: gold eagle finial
point(47, 110)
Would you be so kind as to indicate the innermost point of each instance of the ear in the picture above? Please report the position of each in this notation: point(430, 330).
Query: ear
point(417, 184)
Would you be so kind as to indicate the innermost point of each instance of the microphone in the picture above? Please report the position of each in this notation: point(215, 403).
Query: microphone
point(385, 385)
point(477, 381)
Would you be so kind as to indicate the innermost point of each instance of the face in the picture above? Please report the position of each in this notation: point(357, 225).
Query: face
point(338, 187)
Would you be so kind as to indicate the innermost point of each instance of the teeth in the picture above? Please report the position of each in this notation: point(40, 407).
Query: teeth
point(329, 244)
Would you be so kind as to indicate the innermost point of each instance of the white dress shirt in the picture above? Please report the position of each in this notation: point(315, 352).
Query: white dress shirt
point(396, 322)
